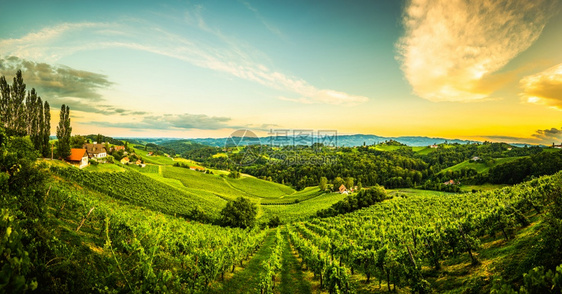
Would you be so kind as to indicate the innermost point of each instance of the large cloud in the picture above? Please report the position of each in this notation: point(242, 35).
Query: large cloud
point(544, 87)
point(184, 121)
point(548, 135)
point(545, 137)
point(452, 48)
point(63, 85)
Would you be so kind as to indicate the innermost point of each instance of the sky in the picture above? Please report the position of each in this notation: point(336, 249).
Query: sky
point(475, 70)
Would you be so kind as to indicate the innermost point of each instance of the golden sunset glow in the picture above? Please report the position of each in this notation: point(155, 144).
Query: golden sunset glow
point(475, 70)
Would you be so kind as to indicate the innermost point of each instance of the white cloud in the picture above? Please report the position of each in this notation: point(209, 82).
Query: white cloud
point(215, 52)
point(451, 48)
point(544, 87)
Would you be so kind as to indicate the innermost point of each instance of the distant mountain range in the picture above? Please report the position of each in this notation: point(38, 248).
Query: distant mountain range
point(341, 141)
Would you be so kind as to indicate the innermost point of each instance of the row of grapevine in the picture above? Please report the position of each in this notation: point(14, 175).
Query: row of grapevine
point(271, 267)
point(333, 277)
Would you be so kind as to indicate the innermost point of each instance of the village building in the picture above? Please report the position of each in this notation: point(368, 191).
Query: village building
point(557, 146)
point(125, 160)
point(449, 182)
point(196, 168)
point(476, 158)
point(434, 146)
point(95, 150)
point(342, 189)
point(78, 157)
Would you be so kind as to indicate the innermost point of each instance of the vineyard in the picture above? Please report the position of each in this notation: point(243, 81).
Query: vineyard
point(399, 240)
point(407, 243)
point(149, 251)
point(157, 229)
point(138, 189)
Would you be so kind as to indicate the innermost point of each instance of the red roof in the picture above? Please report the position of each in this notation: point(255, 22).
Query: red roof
point(76, 154)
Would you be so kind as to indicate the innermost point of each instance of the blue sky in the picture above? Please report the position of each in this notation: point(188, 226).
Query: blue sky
point(478, 70)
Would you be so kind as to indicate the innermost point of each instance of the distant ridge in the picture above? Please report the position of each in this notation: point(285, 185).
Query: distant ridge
point(348, 140)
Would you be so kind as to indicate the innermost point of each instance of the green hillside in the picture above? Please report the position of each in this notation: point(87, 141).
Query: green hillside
point(116, 228)
point(479, 166)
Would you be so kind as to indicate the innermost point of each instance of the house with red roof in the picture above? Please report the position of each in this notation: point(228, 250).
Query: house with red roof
point(78, 157)
point(125, 160)
point(343, 189)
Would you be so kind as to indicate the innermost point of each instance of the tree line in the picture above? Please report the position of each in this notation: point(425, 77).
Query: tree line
point(23, 113)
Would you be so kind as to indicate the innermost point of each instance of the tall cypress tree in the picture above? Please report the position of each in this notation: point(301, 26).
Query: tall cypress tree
point(37, 125)
point(32, 117)
point(17, 109)
point(5, 99)
point(63, 132)
point(46, 130)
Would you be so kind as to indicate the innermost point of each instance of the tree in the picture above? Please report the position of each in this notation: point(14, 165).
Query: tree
point(349, 182)
point(239, 213)
point(46, 129)
point(18, 120)
point(338, 181)
point(323, 184)
point(63, 132)
point(234, 174)
point(78, 141)
point(5, 99)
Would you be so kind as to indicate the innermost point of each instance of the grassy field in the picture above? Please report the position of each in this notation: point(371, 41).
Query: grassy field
point(478, 166)
point(204, 182)
point(160, 159)
point(260, 188)
point(55, 162)
point(214, 190)
point(385, 147)
point(484, 187)
point(423, 150)
point(149, 168)
point(417, 192)
point(304, 209)
point(104, 167)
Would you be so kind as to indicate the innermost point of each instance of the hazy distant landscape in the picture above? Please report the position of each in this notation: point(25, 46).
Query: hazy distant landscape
point(268, 147)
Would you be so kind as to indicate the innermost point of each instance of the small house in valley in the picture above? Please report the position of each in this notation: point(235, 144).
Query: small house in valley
point(449, 182)
point(125, 160)
point(96, 150)
point(342, 189)
point(78, 157)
